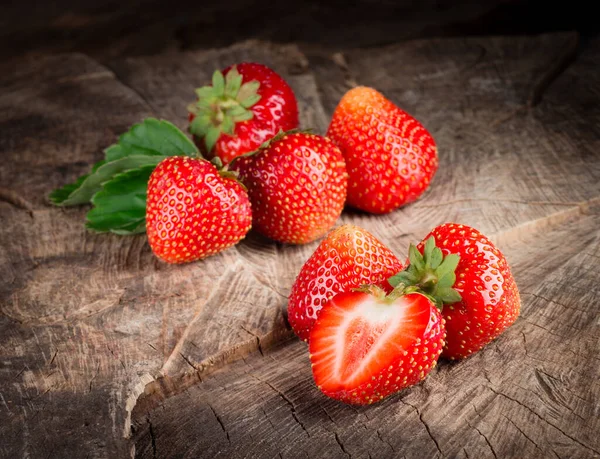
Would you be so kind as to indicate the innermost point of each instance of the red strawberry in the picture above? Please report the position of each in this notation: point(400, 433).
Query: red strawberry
point(246, 105)
point(194, 210)
point(487, 301)
point(365, 347)
point(390, 156)
point(297, 186)
point(349, 257)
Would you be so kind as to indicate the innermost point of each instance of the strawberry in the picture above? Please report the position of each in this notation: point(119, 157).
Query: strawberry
point(297, 186)
point(347, 258)
point(390, 156)
point(485, 299)
point(366, 346)
point(194, 210)
point(246, 105)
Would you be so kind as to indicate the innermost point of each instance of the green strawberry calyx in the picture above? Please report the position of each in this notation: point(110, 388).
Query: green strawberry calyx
point(431, 274)
point(221, 105)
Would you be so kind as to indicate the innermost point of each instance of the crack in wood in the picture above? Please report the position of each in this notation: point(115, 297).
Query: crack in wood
point(545, 421)
point(152, 437)
point(484, 437)
point(427, 428)
point(220, 421)
point(520, 430)
point(339, 442)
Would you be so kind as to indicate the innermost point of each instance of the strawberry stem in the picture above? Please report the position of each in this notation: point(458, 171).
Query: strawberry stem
point(430, 274)
point(220, 106)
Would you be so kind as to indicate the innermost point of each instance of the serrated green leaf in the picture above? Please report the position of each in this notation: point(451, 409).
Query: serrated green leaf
point(218, 82)
point(233, 82)
point(448, 295)
point(415, 258)
point(448, 265)
point(93, 182)
point(60, 195)
point(145, 143)
point(436, 258)
point(152, 137)
point(120, 206)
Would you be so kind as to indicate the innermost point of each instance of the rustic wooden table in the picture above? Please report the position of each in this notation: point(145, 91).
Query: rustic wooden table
point(106, 352)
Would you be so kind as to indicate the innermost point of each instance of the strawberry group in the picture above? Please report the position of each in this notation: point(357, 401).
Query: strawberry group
point(246, 105)
point(391, 158)
point(194, 210)
point(347, 258)
point(297, 185)
point(455, 295)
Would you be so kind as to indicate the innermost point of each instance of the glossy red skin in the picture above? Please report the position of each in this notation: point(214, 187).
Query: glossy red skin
point(347, 258)
point(276, 110)
point(391, 158)
point(403, 359)
point(297, 186)
point(490, 297)
point(192, 212)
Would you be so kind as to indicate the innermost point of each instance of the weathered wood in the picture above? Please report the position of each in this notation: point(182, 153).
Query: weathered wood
point(499, 171)
point(532, 393)
point(89, 320)
point(105, 29)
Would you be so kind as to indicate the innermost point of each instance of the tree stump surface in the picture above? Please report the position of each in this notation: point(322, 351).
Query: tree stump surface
point(107, 352)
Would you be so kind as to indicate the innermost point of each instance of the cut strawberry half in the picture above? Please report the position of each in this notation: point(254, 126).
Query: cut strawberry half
point(365, 345)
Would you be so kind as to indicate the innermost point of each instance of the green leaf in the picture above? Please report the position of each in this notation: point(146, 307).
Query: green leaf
point(145, 143)
point(120, 207)
point(218, 82)
point(211, 138)
point(154, 138)
point(200, 125)
point(403, 277)
point(247, 115)
point(427, 251)
point(448, 295)
point(415, 258)
point(205, 92)
point(233, 82)
point(249, 101)
point(60, 195)
point(447, 280)
point(248, 89)
point(448, 265)
point(93, 182)
point(436, 258)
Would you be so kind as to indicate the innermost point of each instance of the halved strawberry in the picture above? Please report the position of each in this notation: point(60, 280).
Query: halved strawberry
point(366, 346)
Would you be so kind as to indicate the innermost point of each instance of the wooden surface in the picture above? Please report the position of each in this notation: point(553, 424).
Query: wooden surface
point(100, 341)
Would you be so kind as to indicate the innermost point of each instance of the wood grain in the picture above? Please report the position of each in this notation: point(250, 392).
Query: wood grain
point(532, 393)
point(483, 100)
point(96, 330)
